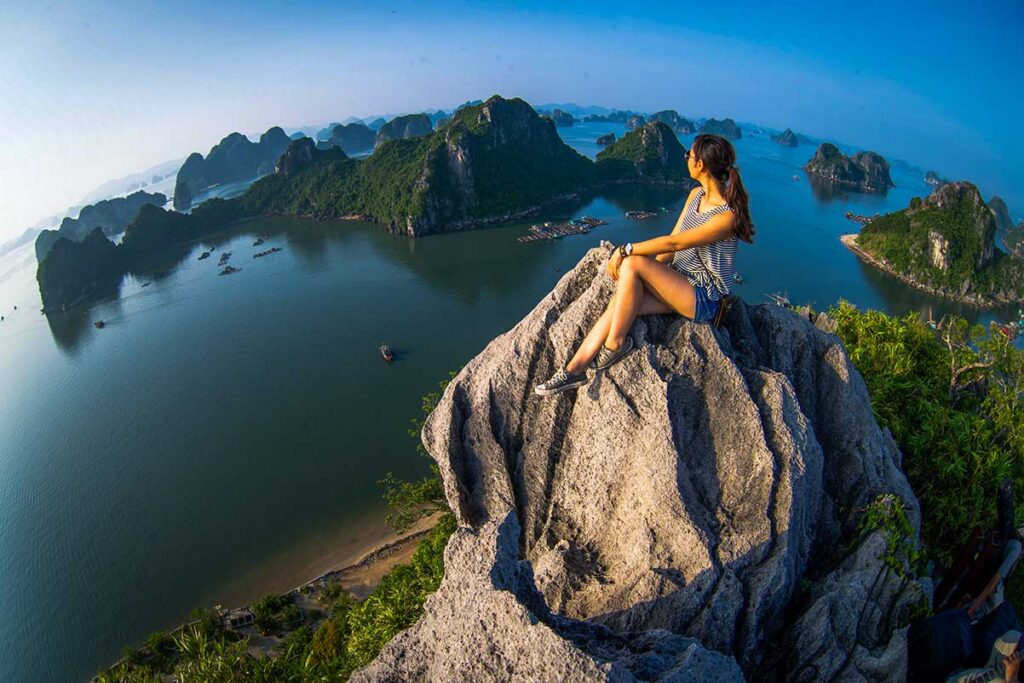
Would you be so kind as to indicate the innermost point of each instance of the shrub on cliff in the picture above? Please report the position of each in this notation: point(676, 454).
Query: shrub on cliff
point(952, 402)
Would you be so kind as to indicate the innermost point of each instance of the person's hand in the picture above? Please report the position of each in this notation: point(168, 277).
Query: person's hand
point(613, 265)
point(1011, 668)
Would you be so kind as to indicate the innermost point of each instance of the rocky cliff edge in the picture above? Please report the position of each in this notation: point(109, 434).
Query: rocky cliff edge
point(685, 517)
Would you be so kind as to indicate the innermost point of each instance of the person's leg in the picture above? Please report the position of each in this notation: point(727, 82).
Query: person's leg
point(641, 278)
point(599, 332)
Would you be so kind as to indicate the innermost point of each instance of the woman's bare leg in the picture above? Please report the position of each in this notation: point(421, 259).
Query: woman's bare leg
point(641, 278)
point(599, 332)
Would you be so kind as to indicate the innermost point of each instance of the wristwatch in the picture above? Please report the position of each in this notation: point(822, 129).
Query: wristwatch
point(626, 249)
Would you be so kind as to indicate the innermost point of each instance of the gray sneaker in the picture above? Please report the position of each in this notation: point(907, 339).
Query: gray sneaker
point(606, 356)
point(562, 380)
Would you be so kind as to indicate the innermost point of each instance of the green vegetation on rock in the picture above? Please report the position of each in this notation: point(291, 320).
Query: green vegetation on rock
point(1014, 239)
point(650, 153)
point(112, 215)
point(727, 128)
point(946, 243)
point(952, 400)
point(864, 171)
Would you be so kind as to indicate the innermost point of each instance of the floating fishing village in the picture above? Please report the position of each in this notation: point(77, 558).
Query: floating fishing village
point(549, 230)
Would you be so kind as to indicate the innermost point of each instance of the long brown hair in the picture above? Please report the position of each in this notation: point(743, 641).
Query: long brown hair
point(719, 158)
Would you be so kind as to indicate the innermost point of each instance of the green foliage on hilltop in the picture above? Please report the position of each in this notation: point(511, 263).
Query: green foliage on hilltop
point(381, 187)
point(409, 178)
point(902, 239)
point(952, 400)
point(652, 151)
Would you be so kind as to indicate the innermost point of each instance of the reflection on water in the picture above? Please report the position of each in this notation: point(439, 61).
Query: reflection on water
point(903, 298)
point(826, 191)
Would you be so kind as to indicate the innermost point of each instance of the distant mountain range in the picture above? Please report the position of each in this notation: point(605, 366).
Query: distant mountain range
point(492, 162)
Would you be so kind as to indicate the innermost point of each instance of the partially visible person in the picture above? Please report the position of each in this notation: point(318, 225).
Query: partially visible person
point(1002, 666)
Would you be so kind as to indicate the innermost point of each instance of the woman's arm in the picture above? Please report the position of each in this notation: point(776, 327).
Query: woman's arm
point(668, 256)
point(718, 228)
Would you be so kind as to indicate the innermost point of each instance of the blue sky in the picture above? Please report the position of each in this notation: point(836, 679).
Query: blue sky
point(90, 92)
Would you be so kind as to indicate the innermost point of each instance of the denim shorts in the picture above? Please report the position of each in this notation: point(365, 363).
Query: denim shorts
point(704, 309)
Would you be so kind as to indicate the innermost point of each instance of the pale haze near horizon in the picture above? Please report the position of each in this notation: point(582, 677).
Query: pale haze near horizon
point(92, 94)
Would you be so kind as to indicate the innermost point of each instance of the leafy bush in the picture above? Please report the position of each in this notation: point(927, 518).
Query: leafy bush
point(272, 612)
point(952, 402)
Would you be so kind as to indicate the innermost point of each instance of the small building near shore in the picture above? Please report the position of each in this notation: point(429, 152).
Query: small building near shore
point(236, 619)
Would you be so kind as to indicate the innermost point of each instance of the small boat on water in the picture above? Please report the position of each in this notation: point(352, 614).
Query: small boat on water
point(258, 242)
point(738, 278)
point(100, 324)
point(1013, 329)
point(782, 299)
point(386, 353)
point(205, 254)
point(640, 215)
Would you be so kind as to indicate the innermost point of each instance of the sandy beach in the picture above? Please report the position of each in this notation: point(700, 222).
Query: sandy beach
point(359, 554)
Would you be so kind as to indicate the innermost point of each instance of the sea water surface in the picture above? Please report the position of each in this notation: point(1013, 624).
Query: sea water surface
point(222, 436)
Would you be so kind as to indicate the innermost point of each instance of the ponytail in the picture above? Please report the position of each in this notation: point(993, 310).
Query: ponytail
point(736, 197)
point(719, 158)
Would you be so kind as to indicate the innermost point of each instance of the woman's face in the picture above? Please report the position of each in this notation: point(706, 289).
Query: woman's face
point(693, 164)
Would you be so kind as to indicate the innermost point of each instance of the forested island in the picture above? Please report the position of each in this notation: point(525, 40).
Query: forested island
point(787, 138)
point(402, 127)
point(111, 215)
point(671, 117)
point(864, 171)
point(1014, 240)
point(233, 158)
point(492, 162)
point(944, 244)
point(727, 128)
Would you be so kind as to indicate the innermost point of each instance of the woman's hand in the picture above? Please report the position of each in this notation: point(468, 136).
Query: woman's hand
point(613, 265)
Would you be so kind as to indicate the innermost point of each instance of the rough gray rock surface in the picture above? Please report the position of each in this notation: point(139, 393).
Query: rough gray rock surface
point(655, 524)
point(829, 641)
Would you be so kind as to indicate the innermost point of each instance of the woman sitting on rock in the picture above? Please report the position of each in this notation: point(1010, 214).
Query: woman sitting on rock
point(687, 272)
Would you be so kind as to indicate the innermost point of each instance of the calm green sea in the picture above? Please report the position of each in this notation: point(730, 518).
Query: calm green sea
point(221, 436)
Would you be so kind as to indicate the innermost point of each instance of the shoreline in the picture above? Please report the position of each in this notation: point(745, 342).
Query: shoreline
point(359, 578)
point(396, 226)
point(850, 242)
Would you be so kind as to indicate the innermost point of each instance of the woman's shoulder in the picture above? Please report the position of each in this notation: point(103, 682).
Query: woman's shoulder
point(695, 192)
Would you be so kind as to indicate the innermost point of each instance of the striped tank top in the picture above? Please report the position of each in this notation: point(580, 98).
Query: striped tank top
point(709, 266)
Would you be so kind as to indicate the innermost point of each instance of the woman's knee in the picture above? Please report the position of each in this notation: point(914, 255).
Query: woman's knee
point(629, 266)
